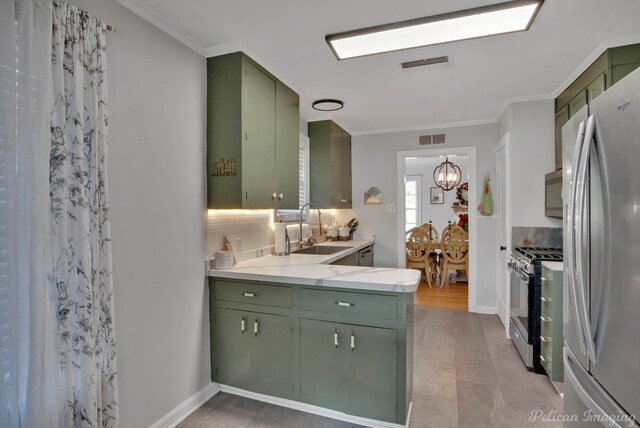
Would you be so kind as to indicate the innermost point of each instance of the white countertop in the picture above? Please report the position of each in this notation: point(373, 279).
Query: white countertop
point(315, 270)
point(554, 265)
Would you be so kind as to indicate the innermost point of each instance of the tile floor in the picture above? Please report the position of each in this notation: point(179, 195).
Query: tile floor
point(467, 374)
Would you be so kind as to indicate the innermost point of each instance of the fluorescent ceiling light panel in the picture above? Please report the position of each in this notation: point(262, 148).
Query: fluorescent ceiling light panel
point(483, 21)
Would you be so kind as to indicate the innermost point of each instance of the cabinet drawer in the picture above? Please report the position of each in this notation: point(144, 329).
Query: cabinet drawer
point(546, 306)
point(352, 304)
point(258, 294)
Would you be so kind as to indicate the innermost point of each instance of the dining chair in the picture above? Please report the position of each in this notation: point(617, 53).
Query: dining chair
point(418, 250)
point(434, 261)
point(454, 247)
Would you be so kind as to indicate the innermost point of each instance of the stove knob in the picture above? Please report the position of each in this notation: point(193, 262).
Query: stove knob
point(503, 248)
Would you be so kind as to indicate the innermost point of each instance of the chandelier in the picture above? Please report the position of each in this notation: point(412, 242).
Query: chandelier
point(447, 175)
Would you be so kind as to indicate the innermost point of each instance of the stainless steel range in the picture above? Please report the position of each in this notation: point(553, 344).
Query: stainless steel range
point(525, 268)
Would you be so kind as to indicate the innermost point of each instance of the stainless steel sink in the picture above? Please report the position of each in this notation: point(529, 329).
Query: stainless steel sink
point(320, 250)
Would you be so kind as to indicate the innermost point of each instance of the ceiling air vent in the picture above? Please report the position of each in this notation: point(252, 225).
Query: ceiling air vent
point(426, 140)
point(426, 61)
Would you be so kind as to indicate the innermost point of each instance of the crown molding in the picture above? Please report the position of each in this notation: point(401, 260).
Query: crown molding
point(238, 46)
point(514, 100)
point(427, 127)
point(153, 18)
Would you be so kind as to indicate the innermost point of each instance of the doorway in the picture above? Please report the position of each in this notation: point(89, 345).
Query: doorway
point(423, 204)
point(504, 229)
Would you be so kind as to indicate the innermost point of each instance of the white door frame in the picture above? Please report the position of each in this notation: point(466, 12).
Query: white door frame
point(473, 215)
point(503, 144)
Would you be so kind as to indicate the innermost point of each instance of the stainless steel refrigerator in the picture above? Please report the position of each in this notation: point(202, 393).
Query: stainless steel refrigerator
point(601, 194)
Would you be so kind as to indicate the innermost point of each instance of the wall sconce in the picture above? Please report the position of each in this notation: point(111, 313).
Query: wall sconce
point(373, 196)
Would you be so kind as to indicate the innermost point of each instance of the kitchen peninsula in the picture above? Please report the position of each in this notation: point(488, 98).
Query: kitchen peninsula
point(328, 339)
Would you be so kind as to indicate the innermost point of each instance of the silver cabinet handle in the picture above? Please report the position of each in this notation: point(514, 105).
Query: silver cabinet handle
point(280, 196)
point(544, 279)
point(243, 326)
point(353, 342)
point(347, 304)
point(545, 359)
point(335, 339)
point(545, 319)
point(546, 299)
point(255, 326)
point(251, 294)
point(274, 195)
point(545, 339)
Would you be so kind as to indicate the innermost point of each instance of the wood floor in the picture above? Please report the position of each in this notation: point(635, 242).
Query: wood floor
point(451, 296)
point(467, 374)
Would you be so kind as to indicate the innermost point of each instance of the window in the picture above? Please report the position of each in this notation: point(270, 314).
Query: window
point(303, 180)
point(412, 201)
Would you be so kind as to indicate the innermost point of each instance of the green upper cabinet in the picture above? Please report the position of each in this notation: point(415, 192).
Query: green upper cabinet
point(330, 165)
point(252, 136)
point(610, 67)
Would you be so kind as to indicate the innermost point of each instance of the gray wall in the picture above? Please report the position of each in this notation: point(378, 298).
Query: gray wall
point(157, 90)
point(531, 156)
point(375, 164)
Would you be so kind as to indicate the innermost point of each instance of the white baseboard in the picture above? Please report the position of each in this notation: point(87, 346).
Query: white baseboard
point(308, 408)
point(187, 407)
point(484, 309)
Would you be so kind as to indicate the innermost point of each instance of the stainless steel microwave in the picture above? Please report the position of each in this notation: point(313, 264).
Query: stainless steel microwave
point(553, 194)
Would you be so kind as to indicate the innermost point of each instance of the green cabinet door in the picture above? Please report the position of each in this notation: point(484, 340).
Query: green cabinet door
point(337, 370)
point(562, 116)
point(272, 355)
point(287, 147)
point(330, 160)
point(322, 363)
point(596, 87)
point(371, 382)
point(232, 348)
point(336, 166)
point(259, 144)
point(577, 103)
point(346, 170)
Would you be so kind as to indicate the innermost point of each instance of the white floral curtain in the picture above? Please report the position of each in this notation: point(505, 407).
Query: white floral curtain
point(28, 349)
point(81, 238)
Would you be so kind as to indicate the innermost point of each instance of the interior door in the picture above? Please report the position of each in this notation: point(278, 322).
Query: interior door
point(504, 232)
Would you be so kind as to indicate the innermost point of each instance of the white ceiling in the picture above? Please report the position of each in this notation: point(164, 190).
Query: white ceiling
point(287, 37)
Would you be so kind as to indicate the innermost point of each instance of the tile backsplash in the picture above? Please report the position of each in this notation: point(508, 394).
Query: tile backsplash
point(536, 237)
point(251, 232)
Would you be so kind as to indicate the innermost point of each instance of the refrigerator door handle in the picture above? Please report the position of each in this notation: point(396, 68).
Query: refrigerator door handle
point(581, 216)
point(571, 259)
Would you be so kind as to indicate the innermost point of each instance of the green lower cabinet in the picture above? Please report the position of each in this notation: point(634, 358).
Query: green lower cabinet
point(551, 334)
point(344, 350)
point(322, 369)
point(337, 369)
point(232, 348)
point(253, 351)
point(271, 356)
point(371, 373)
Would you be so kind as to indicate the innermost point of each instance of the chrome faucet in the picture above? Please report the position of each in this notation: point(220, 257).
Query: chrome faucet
point(310, 205)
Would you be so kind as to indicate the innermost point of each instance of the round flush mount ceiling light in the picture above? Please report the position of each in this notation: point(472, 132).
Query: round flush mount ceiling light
point(327, 105)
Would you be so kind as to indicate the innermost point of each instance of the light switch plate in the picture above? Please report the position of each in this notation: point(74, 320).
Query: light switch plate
point(238, 245)
point(391, 208)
